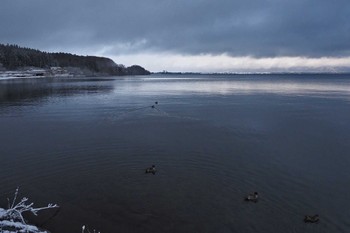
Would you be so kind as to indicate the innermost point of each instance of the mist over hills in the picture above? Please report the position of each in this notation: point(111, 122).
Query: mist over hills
point(14, 57)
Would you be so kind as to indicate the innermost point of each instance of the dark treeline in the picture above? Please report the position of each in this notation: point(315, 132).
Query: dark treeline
point(13, 57)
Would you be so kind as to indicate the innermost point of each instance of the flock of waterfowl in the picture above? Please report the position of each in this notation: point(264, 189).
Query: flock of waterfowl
point(253, 197)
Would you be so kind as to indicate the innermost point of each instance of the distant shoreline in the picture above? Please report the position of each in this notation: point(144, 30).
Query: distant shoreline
point(20, 61)
point(248, 73)
point(62, 73)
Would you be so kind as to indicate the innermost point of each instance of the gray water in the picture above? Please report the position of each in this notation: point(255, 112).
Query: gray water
point(84, 144)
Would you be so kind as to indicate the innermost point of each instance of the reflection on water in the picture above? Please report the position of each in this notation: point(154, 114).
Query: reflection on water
point(239, 85)
point(84, 144)
point(32, 89)
point(32, 92)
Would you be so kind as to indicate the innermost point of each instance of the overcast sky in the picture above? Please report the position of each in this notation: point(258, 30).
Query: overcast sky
point(188, 35)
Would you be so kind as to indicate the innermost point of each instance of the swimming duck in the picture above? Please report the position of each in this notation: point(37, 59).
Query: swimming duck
point(151, 170)
point(312, 219)
point(252, 197)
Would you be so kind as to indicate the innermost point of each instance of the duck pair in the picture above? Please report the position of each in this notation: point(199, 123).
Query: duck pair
point(308, 218)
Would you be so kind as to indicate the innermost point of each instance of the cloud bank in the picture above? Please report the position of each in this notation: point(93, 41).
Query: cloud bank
point(225, 63)
point(259, 30)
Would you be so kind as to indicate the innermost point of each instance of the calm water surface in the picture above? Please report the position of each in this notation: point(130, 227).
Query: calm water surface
point(84, 144)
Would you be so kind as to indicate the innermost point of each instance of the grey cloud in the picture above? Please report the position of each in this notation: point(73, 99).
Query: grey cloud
point(260, 28)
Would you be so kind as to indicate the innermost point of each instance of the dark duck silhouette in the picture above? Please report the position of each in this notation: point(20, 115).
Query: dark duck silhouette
point(151, 170)
point(312, 219)
point(252, 197)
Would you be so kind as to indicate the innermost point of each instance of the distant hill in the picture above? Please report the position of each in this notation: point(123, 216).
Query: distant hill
point(14, 57)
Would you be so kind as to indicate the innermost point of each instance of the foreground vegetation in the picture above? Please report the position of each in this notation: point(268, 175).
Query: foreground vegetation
point(12, 220)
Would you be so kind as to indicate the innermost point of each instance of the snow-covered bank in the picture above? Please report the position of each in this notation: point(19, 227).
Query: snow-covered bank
point(7, 226)
point(32, 72)
point(22, 74)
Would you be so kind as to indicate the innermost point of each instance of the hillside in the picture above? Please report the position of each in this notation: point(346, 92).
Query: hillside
point(14, 57)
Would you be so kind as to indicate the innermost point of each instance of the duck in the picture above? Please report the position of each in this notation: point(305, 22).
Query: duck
point(312, 219)
point(151, 170)
point(252, 197)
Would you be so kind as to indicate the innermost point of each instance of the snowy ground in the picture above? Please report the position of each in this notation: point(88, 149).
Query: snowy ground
point(38, 73)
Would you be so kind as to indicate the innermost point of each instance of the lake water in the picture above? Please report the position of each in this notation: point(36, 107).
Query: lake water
point(84, 144)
